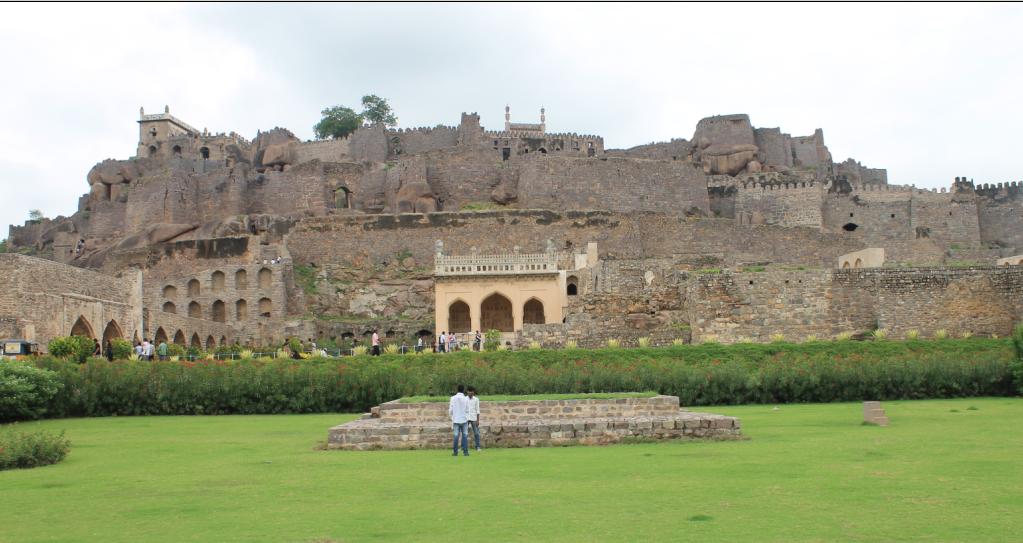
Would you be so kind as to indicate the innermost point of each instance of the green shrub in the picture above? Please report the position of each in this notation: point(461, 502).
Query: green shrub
point(173, 349)
point(122, 348)
point(643, 342)
point(492, 339)
point(705, 374)
point(77, 348)
point(1017, 340)
point(25, 391)
point(28, 450)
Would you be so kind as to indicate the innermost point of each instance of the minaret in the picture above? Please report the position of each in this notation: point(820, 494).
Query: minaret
point(543, 120)
point(507, 118)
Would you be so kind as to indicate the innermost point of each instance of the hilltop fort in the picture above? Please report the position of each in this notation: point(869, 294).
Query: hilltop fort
point(736, 233)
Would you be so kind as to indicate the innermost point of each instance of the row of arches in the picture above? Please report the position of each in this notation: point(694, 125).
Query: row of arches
point(218, 283)
point(218, 310)
point(495, 314)
point(82, 327)
point(195, 341)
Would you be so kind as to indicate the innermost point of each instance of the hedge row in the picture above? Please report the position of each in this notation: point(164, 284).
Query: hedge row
point(698, 374)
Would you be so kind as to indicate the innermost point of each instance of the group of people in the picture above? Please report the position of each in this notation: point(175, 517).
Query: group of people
point(145, 350)
point(464, 410)
point(448, 343)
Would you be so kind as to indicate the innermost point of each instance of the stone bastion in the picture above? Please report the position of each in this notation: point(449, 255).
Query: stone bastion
point(533, 423)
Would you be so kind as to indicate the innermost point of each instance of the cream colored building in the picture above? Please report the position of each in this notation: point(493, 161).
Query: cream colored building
point(503, 292)
point(866, 258)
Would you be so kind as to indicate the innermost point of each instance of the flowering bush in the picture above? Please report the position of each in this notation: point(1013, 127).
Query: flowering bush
point(704, 374)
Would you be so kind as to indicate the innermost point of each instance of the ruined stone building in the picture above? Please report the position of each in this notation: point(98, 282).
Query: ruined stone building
point(738, 232)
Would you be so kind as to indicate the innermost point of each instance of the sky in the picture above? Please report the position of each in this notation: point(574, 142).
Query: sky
point(928, 91)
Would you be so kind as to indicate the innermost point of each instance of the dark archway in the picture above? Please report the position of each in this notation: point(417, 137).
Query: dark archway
point(217, 281)
point(342, 198)
point(572, 285)
point(170, 291)
point(210, 343)
point(265, 307)
point(176, 150)
point(496, 314)
point(81, 327)
point(204, 152)
point(265, 277)
point(193, 288)
point(196, 342)
point(458, 317)
point(195, 310)
point(161, 336)
point(179, 338)
point(241, 310)
point(152, 150)
point(219, 311)
point(532, 312)
point(241, 280)
point(111, 332)
point(169, 307)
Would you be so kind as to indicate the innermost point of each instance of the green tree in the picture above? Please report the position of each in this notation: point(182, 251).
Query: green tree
point(3, 246)
point(35, 215)
point(337, 122)
point(376, 110)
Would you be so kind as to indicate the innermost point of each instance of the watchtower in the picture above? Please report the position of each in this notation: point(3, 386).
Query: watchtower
point(156, 130)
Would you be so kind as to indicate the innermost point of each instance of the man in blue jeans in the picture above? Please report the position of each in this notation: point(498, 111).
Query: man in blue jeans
point(458, 408)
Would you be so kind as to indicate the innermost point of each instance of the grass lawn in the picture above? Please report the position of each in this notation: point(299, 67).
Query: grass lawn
point(945, 470)
point(525, 397)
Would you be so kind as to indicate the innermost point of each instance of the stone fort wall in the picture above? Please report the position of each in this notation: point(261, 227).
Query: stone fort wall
point(42, 299)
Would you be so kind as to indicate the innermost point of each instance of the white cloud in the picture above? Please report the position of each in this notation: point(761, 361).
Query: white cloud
point(927, 91)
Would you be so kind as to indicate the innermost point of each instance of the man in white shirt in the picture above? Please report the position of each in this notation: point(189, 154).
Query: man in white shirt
point(458, 408)
point(149, 350)
point(376, 343)
point(145, 349)
point(473, 414)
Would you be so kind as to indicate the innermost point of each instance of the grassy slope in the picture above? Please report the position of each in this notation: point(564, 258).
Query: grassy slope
point(941, 472)
point(524, 397)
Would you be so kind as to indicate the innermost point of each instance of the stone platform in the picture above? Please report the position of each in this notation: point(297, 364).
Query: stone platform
point(534, 423)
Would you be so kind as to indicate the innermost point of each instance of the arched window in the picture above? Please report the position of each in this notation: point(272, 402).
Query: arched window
point(223, 341)
point(179, 338)
point(210, 343)
point(241, 310)
point(169, 307)
point(219, 311)
point(458, 317)
point(858, 264)
point(195, 310)
point(496, 314)
point(265, 277)
point(170, 291)
point(265, 307)
point(342, 198)
point(193, 288)
point(152, 150)
point(217, 280)
point(241, 279)
point(845, 265)
point(572, 285)
point(205, 153)
point(176, 150)
point(196, 342)
point(81, 327)
point(532, 312)
point(161, 336)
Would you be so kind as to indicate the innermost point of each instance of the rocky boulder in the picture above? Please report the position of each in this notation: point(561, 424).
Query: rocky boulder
point(727, 159)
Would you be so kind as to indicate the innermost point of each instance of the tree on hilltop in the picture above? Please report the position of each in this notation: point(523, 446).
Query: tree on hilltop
point(376, 110)
point(35, 215)
point(340, 121)
point(337, 122)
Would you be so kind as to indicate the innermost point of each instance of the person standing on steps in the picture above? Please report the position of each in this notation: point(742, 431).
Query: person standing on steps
point(458, 408)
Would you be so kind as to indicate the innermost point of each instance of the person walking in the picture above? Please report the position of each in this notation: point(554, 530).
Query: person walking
point(458, 407)
point(162, 350)
point(419, 344)
point(473, 415)
point(376, 343)
point(477, 342)
point(149, 350)
point(441, 340)
point(109, 352)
